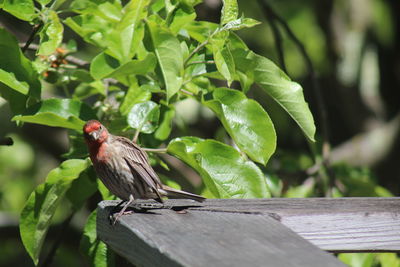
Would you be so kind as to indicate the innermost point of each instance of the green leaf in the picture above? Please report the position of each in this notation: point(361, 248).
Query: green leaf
point(144, 116)
point(388, 259)
point(44, 2)
point(22, 9)
point(224, 171)
point(224, 61)
point(104, 66)
point(357, 259)
point(120, 39)
point(278, 85)
point(169, 55)
point(246, 80)
point(16, 74)
point(95, 249)
point(110, 10)
point(119, 30)
point(134, 95)
point(304, 190)
point(245, 121)
point(51, 35)
point(229, 11)
point(77, 147)
point(201, 30)
point(164, 129)
point(93, 29)
point(240, 23)
point(12, 82)
point(181, 18)
point(82, 188)
point(43, 202)
point(67, 113)
point(222, 55)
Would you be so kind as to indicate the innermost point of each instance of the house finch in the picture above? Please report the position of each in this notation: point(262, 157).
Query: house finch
point(124, 168)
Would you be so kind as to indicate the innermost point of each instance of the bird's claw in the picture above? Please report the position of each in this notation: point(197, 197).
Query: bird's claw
point(114, 217)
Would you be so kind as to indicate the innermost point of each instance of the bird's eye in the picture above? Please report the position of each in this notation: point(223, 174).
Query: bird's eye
point(101, 127)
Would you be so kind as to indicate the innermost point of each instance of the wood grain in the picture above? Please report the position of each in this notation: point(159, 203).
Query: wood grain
point(337, 225)
point(196, 237)
point(252, 232)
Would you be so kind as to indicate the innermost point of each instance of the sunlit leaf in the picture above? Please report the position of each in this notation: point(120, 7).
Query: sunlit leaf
point(43, 202)
point(144, 116)
point(200, 30)
point(277, 84)
point(165, 127)
point(22, 9)
point(224, 171)
point(229, 11)
point(104, 66)
point(181, 18)
point(240, 24)
point(135, 94)
point(224, 62)
point(245, 121)
point(67, 113)
point(51, 35)
point(10, 80)
point(357, 259)
point(169, 55)
point(120, 40)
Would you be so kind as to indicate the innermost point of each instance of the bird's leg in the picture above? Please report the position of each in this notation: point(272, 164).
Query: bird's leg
point(114, 210)
point(129, 202)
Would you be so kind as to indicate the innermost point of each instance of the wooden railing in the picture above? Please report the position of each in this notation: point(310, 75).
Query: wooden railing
point(252, 232)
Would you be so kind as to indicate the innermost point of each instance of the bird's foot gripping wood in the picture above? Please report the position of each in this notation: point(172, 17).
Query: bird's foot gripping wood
point(114, 217)
point(131, 207)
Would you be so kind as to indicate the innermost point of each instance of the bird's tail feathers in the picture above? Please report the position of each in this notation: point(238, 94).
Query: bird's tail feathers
point(175, 193)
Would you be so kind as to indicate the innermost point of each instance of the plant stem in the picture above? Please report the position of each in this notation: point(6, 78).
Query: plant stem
point(155, 150)
point(201, 62)
point(197, 49)
point(315, 86)
point(35, 30)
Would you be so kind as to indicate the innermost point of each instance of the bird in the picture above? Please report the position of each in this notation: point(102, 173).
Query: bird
point(124, 168)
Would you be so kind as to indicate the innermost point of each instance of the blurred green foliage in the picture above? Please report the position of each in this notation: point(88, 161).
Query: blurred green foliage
point(338, 36)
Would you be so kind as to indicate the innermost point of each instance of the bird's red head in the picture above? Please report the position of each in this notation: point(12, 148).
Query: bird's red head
point(95, 132)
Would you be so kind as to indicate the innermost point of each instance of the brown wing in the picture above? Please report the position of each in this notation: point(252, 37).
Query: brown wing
point(138, 161)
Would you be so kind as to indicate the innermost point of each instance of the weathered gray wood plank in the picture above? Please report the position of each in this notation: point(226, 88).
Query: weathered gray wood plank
point(338, 224)
point(163, 237)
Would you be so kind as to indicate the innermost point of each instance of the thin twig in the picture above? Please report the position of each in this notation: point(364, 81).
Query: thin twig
point(201, 62)
point(326, 174)
point(69, 58)
point(155, 150)
point(77, 61)
point(136, 136)
point(35, 30)
point(186, 92)
point(197, 49)
point(315, 85)
point(277, 37)
point(49, 258)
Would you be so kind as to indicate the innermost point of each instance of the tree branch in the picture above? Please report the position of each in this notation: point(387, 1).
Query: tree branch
point(35, 30)
point(315, 86)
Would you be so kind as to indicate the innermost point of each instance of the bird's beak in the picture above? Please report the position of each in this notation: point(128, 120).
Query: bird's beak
point(94, 135)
